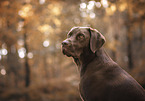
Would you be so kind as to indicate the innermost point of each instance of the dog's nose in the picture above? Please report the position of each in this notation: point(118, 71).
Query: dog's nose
point(65, 43)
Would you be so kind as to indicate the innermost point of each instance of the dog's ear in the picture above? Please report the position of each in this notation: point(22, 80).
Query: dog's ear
point(96, 40)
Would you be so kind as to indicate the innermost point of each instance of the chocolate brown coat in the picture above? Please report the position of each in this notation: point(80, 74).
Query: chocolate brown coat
point(101, 79)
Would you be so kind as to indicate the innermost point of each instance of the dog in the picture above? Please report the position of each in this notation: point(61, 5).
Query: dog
point(101, 79)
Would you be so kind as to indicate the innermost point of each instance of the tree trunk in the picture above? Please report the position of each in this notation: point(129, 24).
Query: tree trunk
point(27, 67)
point(129, 35)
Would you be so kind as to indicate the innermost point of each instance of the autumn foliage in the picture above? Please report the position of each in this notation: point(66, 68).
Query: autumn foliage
point(32, 67)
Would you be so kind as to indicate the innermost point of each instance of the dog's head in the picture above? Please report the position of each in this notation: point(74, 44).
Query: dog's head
point(80, 38)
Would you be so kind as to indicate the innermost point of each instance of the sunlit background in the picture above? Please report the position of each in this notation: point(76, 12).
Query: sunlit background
point(32, 67)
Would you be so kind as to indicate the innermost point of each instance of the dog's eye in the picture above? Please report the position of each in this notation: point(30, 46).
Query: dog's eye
point(80, 37)
point(69, 35)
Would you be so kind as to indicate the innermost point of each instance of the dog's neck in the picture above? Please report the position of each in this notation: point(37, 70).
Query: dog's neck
point(102, 56)
point(87, 56)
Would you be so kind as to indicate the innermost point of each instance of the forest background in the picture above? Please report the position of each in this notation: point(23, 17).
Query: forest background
point(32, 67)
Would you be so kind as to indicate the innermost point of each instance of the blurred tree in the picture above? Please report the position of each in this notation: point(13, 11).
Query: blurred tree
point(31, 32)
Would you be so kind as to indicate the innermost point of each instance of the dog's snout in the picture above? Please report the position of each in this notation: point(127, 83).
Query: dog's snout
point(66, 43)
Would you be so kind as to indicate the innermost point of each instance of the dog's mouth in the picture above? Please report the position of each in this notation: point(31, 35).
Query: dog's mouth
point(66, 51)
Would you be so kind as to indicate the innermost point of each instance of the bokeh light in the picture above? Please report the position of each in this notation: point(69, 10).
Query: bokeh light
point(3, 71)
point(30, 55)
point(90, 5)
point(105, 3)
point(92, 15)
point(31, 36)
point(122, 7)
point(41, 1)
point(22, 52)
point(20, 25)
point(83, 5)
point(20, 42)
point(0, 57)
point(113, 8)
point(45, 28)
point(3, 51)
point(26, 11)
point(98, 4)
point(46, 43)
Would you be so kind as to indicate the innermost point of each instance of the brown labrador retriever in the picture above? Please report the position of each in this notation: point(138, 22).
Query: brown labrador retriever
point(101, 79)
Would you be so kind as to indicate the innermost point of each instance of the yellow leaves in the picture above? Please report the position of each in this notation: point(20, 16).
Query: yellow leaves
point(113, 7)
point(45, 28)
point(26, 11)
point(57, 22)
point(55, 9)
point(110, 10)
point(122, 7)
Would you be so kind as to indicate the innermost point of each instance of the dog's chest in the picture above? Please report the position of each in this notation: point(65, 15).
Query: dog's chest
point(92, 87)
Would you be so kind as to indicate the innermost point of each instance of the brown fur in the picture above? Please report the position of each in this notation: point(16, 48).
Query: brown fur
point(101, 79)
